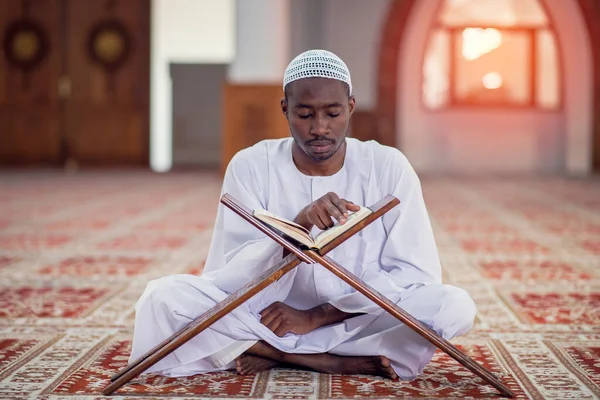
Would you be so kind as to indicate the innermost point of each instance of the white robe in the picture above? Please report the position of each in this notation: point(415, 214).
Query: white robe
point(396, 255)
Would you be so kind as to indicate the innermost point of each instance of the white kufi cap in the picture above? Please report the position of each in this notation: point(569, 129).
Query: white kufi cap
point(317, 64)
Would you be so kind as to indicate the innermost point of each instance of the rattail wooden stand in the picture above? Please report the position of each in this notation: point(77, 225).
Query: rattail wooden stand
point(275, 273)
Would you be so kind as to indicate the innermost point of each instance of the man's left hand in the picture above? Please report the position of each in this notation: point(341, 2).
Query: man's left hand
point(282, 319)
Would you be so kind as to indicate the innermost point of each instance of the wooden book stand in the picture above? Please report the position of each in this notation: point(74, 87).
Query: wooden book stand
point(275, 273)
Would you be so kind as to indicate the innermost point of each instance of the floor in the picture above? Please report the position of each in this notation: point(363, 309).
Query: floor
point(76, 251)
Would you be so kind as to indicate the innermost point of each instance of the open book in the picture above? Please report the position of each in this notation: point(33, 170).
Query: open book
point(303, 235)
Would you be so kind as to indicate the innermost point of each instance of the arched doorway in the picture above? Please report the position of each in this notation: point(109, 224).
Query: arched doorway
point(499, 139)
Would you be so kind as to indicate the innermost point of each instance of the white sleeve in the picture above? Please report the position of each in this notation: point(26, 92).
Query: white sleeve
point(409, 255)
point(239, 252)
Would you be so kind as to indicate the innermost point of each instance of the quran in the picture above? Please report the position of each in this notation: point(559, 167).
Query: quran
point(302, 235)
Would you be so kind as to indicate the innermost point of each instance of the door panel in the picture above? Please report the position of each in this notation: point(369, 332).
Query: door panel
point(30, 111)
point(107, 111)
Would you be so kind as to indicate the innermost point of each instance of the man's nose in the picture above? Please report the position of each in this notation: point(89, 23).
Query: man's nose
point(319, 126)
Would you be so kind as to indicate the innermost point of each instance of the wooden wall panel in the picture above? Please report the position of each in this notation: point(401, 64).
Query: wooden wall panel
point(251, 113)
point(363, 125)
point(30, 112)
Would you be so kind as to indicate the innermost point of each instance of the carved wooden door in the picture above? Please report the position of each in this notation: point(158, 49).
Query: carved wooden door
point(31, 124)
point(74, 82)
point(108, 65)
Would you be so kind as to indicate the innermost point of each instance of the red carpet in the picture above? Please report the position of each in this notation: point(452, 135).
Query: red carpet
point(77, 250)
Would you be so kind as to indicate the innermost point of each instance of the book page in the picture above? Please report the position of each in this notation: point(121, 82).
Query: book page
point(328, 235)
point(285, 226)
point(270, 215)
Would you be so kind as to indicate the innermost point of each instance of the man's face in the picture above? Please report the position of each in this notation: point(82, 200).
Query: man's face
point(318, 111)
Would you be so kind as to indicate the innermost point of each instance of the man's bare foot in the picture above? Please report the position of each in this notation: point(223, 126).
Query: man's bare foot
point(247, 364)
point(325, 362)
point(373, 365)
point(377, 365)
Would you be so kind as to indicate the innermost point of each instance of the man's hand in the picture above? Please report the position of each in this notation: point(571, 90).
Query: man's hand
point(282, 319)
point(320, 212)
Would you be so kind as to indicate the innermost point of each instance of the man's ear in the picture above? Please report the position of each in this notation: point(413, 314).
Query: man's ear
point(351, 104)
point(284, 107)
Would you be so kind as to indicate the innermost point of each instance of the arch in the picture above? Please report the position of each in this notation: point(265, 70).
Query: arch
point(394, 34)
point(387, 68)
point(464, 63)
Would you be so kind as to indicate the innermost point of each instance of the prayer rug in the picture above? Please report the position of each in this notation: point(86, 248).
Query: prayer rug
point(76, 251)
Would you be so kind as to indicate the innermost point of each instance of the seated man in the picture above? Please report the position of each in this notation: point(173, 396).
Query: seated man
point(310, 318)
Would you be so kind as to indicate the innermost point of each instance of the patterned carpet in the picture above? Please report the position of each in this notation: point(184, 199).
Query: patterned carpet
point(77, 250)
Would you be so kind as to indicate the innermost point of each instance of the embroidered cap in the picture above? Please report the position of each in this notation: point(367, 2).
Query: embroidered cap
point(317, 63)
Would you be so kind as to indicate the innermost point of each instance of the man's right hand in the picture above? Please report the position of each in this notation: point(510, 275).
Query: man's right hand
point(319, 212)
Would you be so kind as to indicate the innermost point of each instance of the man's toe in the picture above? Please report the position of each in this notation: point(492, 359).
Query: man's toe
point(387, 367)
point(238, 365)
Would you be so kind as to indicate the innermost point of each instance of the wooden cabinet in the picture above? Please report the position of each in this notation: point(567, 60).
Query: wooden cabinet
point(251, 113)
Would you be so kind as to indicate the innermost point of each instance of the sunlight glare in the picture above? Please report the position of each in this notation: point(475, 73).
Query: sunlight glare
point(478, 41)
point(492, 80)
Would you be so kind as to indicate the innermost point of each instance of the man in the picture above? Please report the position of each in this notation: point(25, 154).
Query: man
point(310, 318)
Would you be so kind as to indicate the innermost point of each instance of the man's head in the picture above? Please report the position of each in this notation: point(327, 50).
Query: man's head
point(318, 102)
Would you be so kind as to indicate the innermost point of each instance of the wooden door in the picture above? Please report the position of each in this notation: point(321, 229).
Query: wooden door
point(31, 130)
point(108, 63)
point(75, 82)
